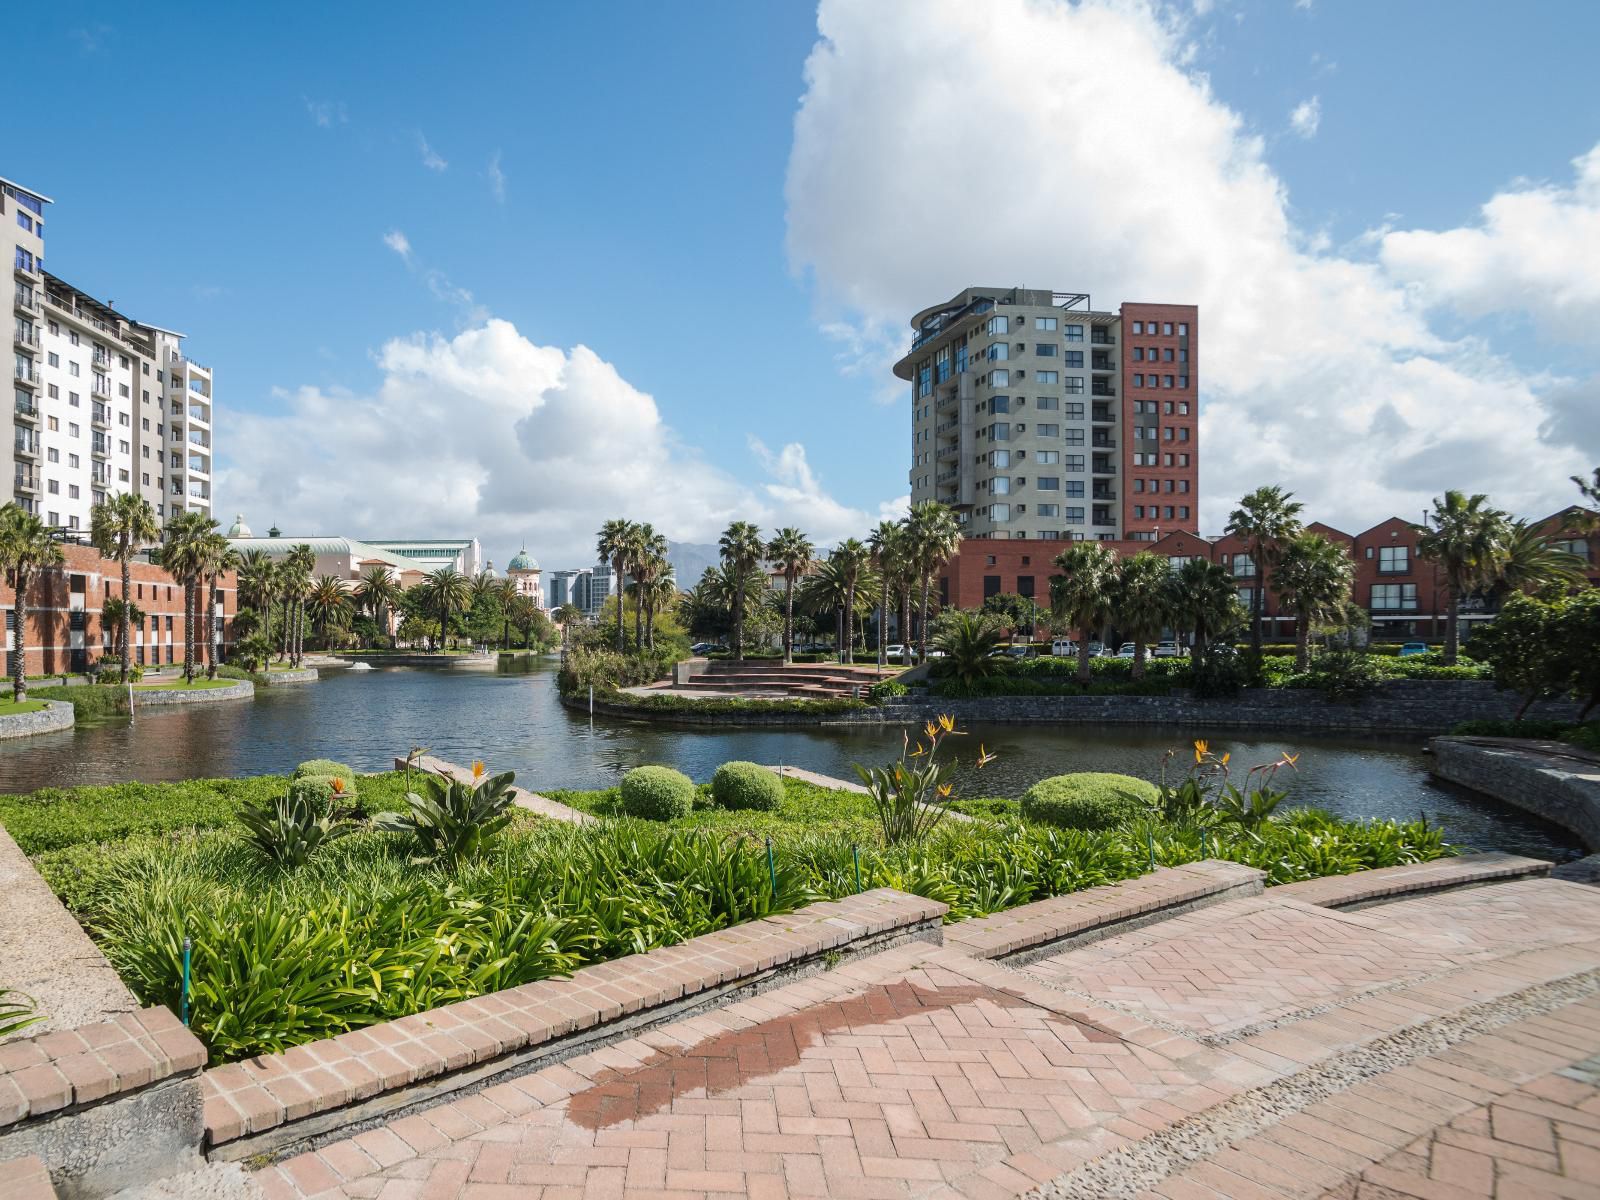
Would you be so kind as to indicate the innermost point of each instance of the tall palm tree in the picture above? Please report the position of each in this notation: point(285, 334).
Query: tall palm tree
point(742, 554)
point(1205, 602)
point(855, 564)
point(1312, 576)
point(1531, 561)
point(648, 566)
point(378, 592)
point(934, 535)
point(1265, 519)
point(826, 590)
point(568, 615)
point(505, 592)
point(27, 549)
point(447, 589)
point(1081, 594)
point(217, 558)
point(328, 605)
point(300, 560)
point(613, 544)
point(256, 586)
point(119, 528)
point(1465, 538)
point(656, 594)
point(184, 556)
point(792, 553)
point(887, 543)
point(523, 612)
point(1142, 601)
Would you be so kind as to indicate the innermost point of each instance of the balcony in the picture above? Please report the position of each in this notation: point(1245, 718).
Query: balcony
point(196, 413)
point(1101, 388)
point(1101, 442)
point(1102, 415)
point(101, 448)
point(1104, 493)
point(1101, 363)
point(1097, 338)
point(27, 300)
point(1403, 605)
point(26, 480)
point(101, 417)
point(944, 452)
point(1102, 466)
point(29, 274)
point(25, 375)
point(25, 447)
point(27, 410)
point(100, 361)
point(26, 339)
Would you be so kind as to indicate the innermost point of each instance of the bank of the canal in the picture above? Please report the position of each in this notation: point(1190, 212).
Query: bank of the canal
point(513, 719)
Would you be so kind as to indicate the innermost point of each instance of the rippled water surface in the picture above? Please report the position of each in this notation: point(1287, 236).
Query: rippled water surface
point(513, 720)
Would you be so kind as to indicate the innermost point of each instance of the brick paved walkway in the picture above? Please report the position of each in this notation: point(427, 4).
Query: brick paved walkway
point(1259, 1047)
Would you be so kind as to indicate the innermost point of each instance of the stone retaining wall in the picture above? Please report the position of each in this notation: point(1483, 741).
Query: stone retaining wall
point(281, 678)
point(58, 715)
point(1409, 706)
point(104, 1106)
point(1549, 779)
point(241, 689)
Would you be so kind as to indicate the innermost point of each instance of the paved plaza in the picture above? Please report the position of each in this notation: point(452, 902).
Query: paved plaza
point(1445, 1046)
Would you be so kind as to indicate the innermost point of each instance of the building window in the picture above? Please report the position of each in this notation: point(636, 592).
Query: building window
point(1244, 567)
point(1074, 489)
point(1183, 408)
point(1138, 512)
point(999, 378)
point(1138, 326)
point(1074, 462)
point(1048, 483)
point(1072, 515)
point(1074, 358)
point(1046, 350)
point(1045, 324)
point(1183, 512)
point(998, 352)
point(1074, 410)
point(1394, 597)
point(1138, 354)
point(1074, 385)
point(1047, 376)
point(1166, 381)
point(1138, 485)
point(1047, 458)
point(1394, 560)
point(1048, 430)
point(1183, 329)
point(1138, 381)
point(1074, 437)
point(1183, 381)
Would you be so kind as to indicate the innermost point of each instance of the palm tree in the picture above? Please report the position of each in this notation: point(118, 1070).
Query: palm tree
point(649, 567)
point(855, 565)
point(184, 556)
point(1590, 521)
point(256, 586)
point(378, 592)
point(300, 560)
point(27, 548)
point(934, 536)
point(119, 528)
point(505, 592)
point(742, 553)
point(217, 558)
point(1312, 576)
point(566, 616)
point(1143, 602)
point(1265, 519)
point(656, 593)
point(1465, 539)
point(792, 553)
point(1531, 561)
point(612, 545)
point(969, 641)
point(887, 542)
point(1081, 594)
point(327, 604)
point(119, 616)
point(1205, 602)
point(524, 612)
point(446, 589)
point(826, 590)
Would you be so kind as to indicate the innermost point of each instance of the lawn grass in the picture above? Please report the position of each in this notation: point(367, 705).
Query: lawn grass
point(197, 685)
point(10, 708)
point(805, 809)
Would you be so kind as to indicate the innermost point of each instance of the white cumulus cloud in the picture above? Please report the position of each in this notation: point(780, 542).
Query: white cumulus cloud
point(430, 156)
point(489, 434)
point(1069, 146)
point(1306, 117)
point(399, 243)
point(1537, 249)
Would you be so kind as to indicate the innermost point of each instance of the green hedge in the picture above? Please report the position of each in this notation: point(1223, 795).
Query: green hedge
point(88, 703)
point(737, 785)
point(657, 793)
point(1088, 800)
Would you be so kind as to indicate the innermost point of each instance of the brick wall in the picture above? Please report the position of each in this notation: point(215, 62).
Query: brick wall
point(1158, 337)
point(65, 630)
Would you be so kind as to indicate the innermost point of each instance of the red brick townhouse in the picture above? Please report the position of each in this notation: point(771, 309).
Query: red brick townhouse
point(65, 629)
point(1405, 596)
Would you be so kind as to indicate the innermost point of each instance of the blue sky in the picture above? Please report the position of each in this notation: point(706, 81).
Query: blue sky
point(641, 210)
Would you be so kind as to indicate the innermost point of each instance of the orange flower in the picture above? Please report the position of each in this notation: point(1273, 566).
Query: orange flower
point(947, 722)
point(1291, 759)
point(1200, 749)
point(930, 730)
point(1225, 757)
point(477, 769)
point(338, 786)
point(945, 789)
point(984, 757)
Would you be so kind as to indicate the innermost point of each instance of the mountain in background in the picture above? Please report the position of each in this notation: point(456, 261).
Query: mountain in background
point(689, 562)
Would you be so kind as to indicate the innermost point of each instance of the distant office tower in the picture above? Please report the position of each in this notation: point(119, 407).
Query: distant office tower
point(1036, 416)
point(101, 403)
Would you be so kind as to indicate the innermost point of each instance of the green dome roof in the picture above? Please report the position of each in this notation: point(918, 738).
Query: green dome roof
point(521, 562)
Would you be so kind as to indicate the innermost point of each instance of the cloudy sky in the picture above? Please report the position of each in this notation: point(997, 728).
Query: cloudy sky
point(514, 274)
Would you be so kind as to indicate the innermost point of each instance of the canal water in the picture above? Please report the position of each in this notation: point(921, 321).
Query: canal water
point(513, 720)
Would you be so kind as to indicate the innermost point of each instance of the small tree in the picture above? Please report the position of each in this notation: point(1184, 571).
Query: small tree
point(1577, 639)
point(1522, 646)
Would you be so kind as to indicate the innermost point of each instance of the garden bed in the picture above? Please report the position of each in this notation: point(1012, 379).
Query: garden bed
point(363, 932)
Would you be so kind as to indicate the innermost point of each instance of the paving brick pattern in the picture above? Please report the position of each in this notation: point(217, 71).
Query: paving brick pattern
point(924, 1071)
point(265, 1092)
point(25, 1179)
point(91, 1063)
point(1360, 887)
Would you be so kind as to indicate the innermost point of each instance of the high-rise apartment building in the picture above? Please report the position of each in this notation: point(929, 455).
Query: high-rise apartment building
point(102, 403)
point(1036, 416)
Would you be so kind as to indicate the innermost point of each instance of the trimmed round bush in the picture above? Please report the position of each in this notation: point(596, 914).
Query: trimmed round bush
point(1087, 800)
point(657, 793)
point(746, 785)
point(327, 767)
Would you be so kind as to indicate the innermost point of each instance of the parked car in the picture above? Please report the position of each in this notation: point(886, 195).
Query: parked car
point(1097, 650)
point(1411, 648)
point(1063, 648)
point(703, 648)
point(1126, 651)
point(1019, 651)
point(1168, 649)
point(900, 653)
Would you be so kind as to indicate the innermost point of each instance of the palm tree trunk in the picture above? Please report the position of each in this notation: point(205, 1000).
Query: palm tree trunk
point(19, 640)
point(188, 631)
point(211, 630)
point(849, 649)
point(618, 566)
point(738, 621)
point(788, 619)
point(1302, 641)
point(1083, 656)
point(126, 638)
point(922, 628)
point(1452, 629)
point(1138, 659)
point(283, 651)
point(1257, 604)
point(904, 618)
point(883, 626)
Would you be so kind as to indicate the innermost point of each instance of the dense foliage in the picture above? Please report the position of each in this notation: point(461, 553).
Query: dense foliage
point(657, 793)
point(746, 785)
point(1087, 800)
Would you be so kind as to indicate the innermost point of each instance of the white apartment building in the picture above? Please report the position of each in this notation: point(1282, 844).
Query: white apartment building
point(101, 403)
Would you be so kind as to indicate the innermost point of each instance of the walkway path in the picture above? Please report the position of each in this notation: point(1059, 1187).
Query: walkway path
point(1262, 1047)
